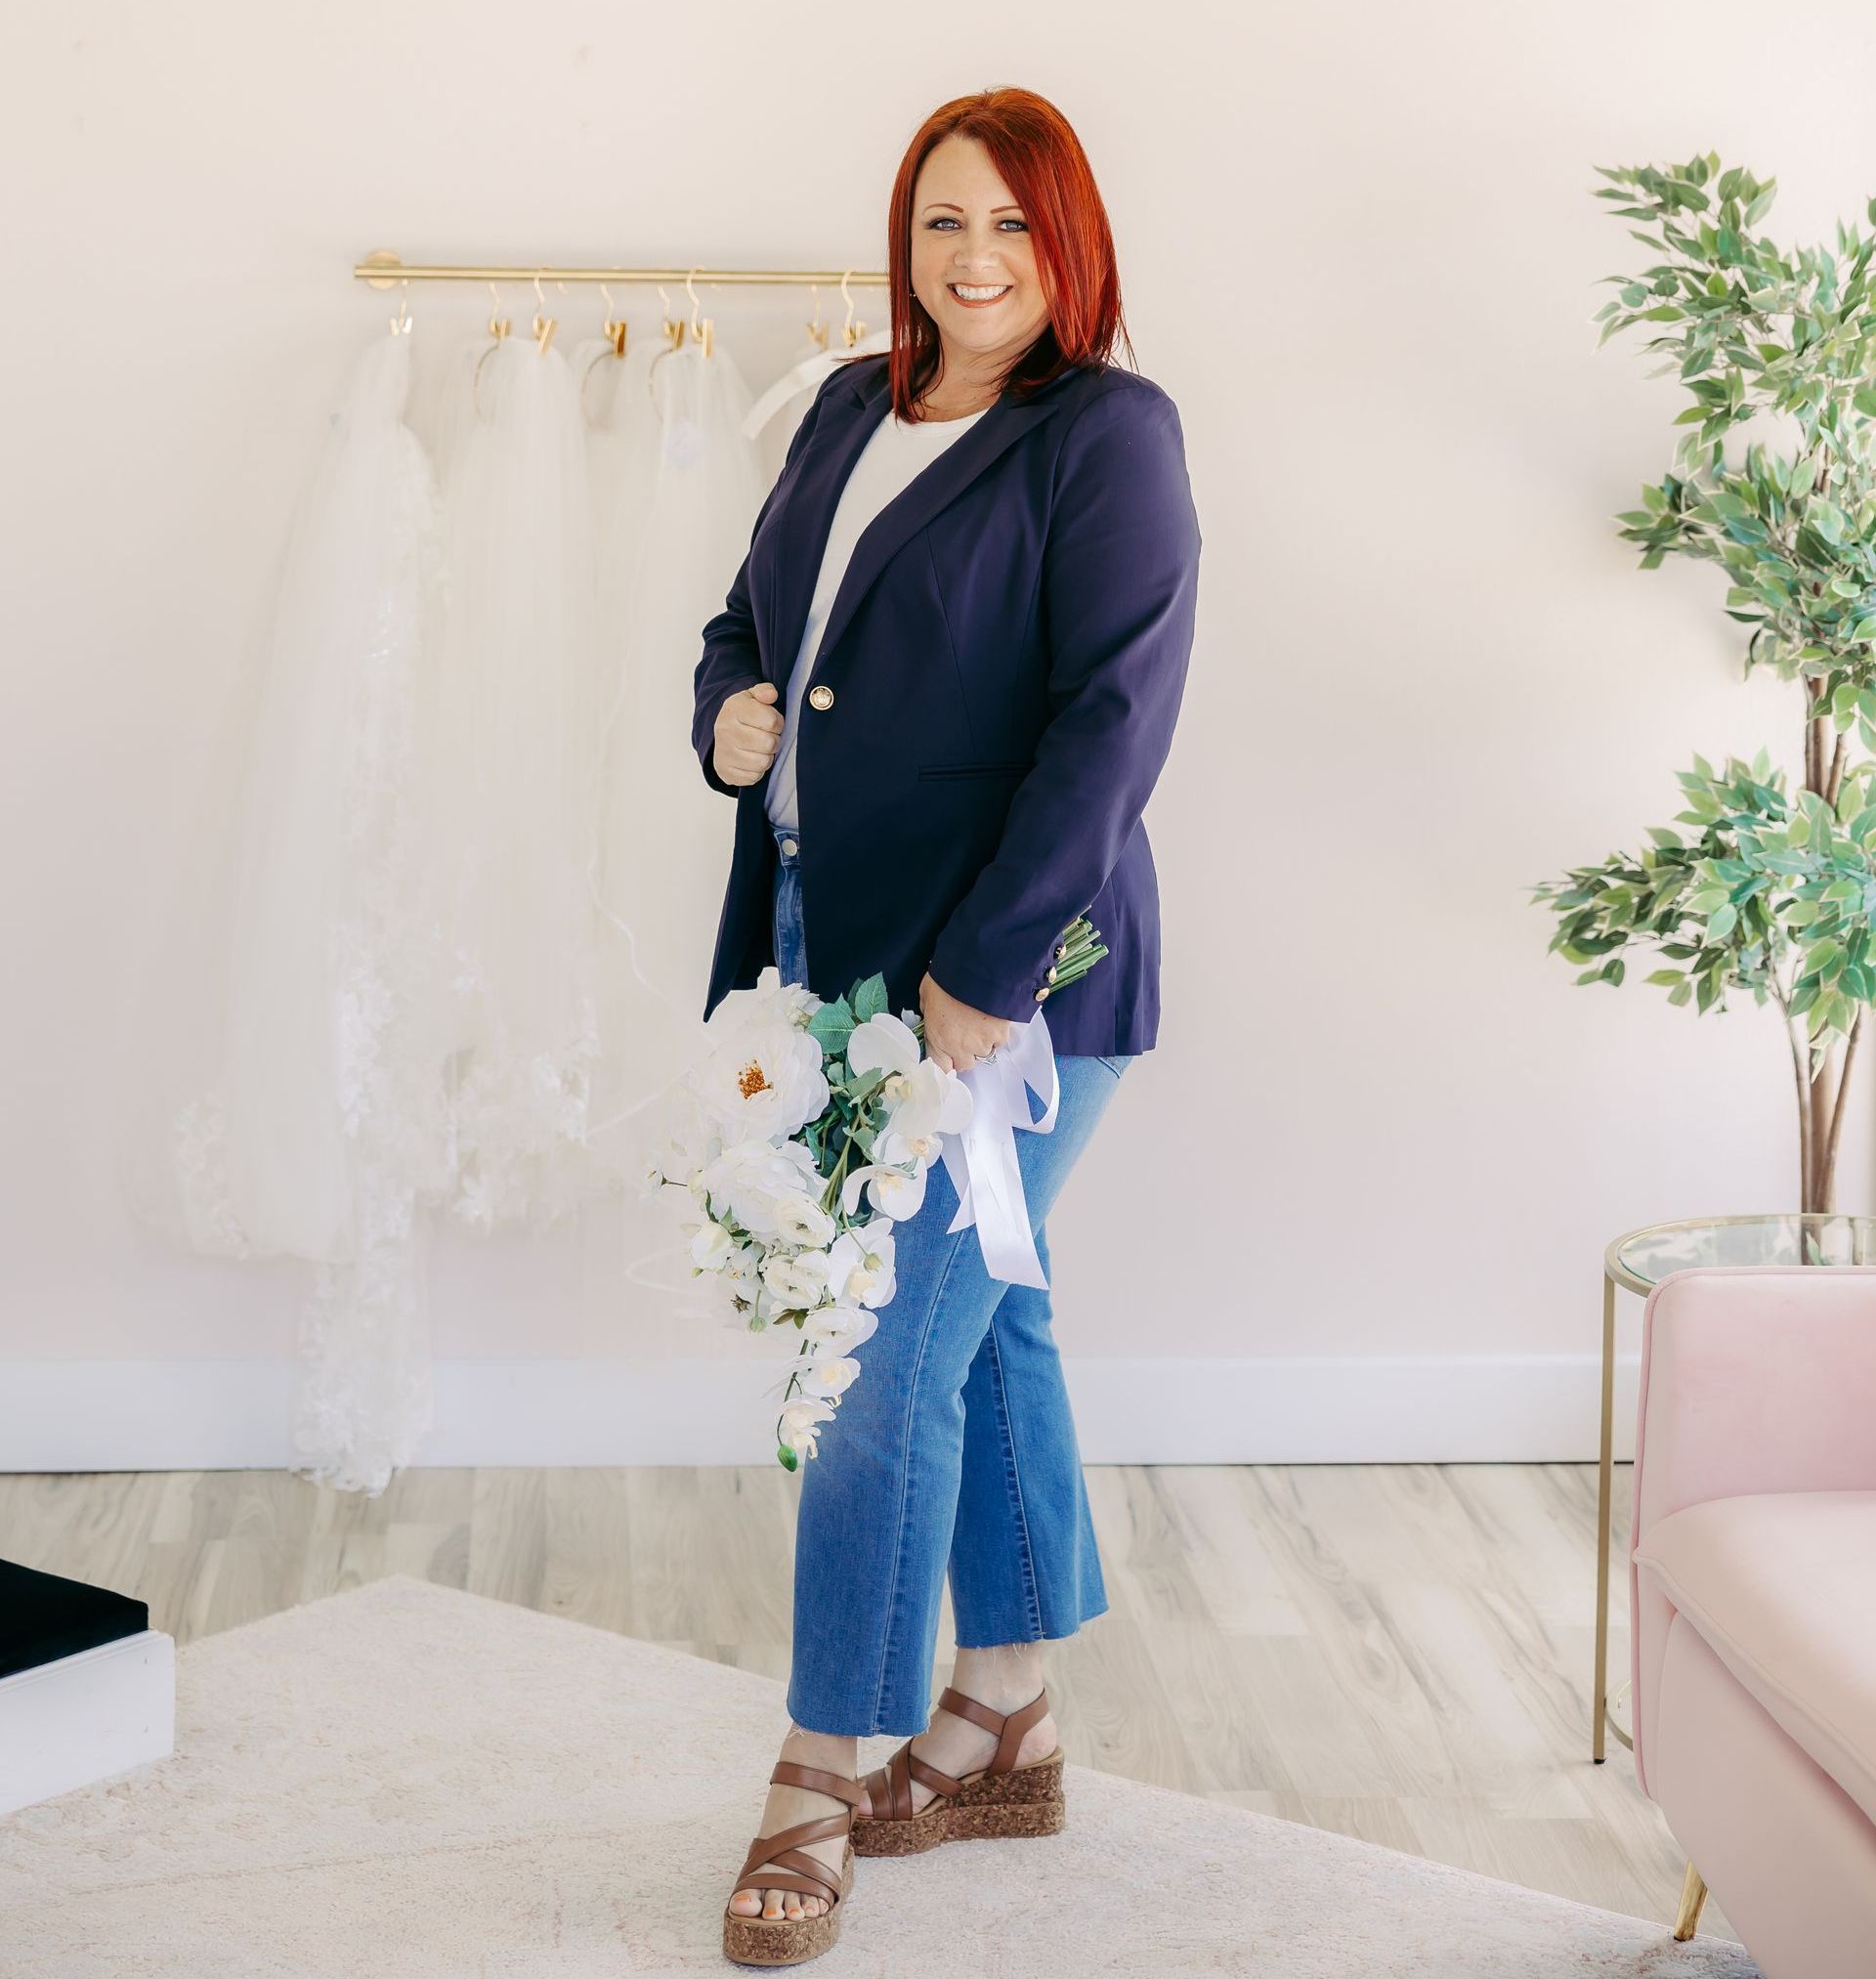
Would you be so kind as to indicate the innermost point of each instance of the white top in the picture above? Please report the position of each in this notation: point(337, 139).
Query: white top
point(889, 460)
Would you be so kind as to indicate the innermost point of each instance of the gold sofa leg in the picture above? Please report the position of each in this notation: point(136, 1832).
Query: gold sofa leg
point(1693, 1893)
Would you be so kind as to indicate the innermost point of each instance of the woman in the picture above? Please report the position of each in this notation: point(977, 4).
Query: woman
point(940, 690)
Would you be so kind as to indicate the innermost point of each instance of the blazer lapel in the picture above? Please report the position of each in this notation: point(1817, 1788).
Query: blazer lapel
point(865, 401)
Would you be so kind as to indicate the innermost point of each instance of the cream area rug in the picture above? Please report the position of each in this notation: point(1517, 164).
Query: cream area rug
point(405, 1780)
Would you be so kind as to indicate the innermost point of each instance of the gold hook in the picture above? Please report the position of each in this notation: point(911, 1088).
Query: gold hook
point(701, 327)
point(615, 327)
point(851, 330)
point(401, 323)
point(818, 332)
point(498, 324)
point(673, 331)
point(545, 325)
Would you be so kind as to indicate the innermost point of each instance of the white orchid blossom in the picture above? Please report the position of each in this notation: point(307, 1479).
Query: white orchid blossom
point(799, 1421)
point(890, 1190)
point(860, 1264)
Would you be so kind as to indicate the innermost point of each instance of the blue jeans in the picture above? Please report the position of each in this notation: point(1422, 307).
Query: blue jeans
point(953, 1454)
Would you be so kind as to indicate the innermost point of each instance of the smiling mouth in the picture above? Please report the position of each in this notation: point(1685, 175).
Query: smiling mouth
point(978, 294)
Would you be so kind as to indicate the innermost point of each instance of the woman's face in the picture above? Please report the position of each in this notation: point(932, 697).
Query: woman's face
point(973, 263)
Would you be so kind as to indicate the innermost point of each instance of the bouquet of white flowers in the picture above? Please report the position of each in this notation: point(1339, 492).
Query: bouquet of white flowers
point(801, 1107)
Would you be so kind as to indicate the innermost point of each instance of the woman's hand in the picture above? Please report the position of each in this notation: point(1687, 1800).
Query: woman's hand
point(748, 731)
point(958, 1035)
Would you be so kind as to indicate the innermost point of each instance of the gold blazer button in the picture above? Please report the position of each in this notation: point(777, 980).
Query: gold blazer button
point(1042, 993)
point(821, 697)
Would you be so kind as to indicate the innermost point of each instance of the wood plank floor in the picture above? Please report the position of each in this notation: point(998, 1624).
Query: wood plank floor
point(1398, 1652)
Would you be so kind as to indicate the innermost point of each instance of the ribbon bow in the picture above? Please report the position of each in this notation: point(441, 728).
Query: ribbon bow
point(981, 1156)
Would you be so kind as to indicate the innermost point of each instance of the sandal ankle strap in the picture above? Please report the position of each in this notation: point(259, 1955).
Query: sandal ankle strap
point(791, 1773)
point(1008, 1725)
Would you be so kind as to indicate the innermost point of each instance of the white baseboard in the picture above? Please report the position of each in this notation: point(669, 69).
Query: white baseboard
point(163, 1415)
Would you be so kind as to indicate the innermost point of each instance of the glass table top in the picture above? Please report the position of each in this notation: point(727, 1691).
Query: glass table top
point(1642, 1257)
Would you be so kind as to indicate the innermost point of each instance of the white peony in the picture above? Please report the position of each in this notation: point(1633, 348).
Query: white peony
point(761, 1076)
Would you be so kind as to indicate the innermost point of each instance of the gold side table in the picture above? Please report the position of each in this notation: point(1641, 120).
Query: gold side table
point(1641, 1259)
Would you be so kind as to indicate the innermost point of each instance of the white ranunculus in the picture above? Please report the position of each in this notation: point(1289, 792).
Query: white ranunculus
point(750, 1178)
point(711, 1246)
point(800, 1220)
point(797, 1281)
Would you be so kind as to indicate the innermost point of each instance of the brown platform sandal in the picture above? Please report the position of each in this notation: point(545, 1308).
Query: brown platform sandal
point(1001, 1798)
point(786, 1941)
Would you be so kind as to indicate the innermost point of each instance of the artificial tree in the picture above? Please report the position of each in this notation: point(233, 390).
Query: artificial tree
point(1767, 893)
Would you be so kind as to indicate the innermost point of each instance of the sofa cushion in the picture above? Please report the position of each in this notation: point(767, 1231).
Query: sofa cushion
point(1782, 1584)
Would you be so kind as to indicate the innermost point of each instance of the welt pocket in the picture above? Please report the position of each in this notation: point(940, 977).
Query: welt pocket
point(975, 769)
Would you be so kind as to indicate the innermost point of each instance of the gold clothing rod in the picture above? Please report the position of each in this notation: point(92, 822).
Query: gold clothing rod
point(383, 269)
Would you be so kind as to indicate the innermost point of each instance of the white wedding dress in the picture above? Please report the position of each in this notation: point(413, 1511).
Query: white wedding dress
point(510, 792)
point(280, 1083)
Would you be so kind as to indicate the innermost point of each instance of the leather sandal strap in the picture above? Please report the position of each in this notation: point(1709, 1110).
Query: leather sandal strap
point(929, 1775)
point(781, 1880)
point(889, 1786)
point(790, 1773)
point(775, 1848)
point(1008, 1725)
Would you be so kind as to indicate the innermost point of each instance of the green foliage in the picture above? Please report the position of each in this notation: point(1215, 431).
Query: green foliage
point(1753, 329)
point(1761, 880)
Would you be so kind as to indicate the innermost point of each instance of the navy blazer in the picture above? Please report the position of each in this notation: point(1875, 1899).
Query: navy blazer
point(1003, 667)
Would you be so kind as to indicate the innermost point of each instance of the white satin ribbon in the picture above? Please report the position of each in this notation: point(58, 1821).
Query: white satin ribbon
point(981, 1157)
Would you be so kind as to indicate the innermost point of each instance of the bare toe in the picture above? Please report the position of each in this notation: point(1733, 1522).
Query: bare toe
point(747, 1904)
point(772, 1902)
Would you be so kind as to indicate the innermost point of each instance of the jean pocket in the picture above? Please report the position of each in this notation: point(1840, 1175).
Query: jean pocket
point(1117, 1064)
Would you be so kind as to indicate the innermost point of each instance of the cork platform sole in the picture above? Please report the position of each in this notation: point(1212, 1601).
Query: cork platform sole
point(781, 1861)
point(785, 1940)
point(1026, 1800)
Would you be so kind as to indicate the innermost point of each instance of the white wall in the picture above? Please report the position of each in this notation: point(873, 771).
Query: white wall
point(1360, 248)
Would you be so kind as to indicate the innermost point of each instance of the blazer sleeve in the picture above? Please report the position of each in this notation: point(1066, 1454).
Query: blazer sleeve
point(1118, 590)
point(732, 657)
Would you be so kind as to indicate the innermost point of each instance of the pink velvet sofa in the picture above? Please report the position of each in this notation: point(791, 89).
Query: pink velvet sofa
point(1751, 1584)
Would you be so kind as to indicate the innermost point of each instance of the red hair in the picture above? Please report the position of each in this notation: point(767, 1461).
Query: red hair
point(1040, 159)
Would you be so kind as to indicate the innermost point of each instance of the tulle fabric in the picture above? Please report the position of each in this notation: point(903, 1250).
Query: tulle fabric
point(510, 788)
point(280, 1082)
point(443, 938)
point(661, 836)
